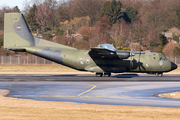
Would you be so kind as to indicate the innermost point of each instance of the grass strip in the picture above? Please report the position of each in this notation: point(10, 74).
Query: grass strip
point(12, 108)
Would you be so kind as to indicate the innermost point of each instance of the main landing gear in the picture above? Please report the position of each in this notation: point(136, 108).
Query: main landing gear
point(101, 74)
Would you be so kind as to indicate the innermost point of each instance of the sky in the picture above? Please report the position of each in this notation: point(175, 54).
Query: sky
point(12, 3)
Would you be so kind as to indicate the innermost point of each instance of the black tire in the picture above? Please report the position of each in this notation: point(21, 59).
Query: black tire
point(99, 74)
point(107, 74)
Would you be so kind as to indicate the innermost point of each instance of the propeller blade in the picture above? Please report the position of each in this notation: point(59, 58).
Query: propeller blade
point(132, 50)
point(132, 47)
point(131, 55)
point(131, 62)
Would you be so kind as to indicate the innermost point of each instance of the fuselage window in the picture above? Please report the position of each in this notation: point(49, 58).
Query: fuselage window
point(162, 58)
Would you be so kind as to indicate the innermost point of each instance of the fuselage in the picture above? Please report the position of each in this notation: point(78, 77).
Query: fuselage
point(149, 62)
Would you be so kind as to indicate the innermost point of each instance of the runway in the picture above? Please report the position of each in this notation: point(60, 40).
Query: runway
point(123, 89)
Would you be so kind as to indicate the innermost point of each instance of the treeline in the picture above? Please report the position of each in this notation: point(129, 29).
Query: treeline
point(118, 22)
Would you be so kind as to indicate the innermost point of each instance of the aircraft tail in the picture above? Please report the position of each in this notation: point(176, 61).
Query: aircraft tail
point(16, 31)
point(18, 36)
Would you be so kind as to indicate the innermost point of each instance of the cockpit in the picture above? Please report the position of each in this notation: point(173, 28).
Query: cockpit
point(108, 47)
point(162, 57)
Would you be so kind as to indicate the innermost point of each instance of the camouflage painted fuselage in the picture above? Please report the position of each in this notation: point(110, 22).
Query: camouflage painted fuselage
point(148, 62)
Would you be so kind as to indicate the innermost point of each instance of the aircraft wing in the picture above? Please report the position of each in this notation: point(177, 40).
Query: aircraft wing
point(108, 51)
point(102, 51)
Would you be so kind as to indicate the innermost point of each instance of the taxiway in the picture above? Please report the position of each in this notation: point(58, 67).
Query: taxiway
point(124, 89)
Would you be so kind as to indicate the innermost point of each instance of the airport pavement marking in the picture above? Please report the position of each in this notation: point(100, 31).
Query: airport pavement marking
point(86, 90)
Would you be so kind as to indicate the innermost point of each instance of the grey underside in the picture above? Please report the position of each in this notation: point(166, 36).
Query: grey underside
point(24, 32)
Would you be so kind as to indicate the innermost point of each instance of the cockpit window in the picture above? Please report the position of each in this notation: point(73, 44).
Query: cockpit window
point(162, 57)
point(107, 46)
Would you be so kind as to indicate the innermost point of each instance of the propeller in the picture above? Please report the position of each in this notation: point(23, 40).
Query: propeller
point(133, 53)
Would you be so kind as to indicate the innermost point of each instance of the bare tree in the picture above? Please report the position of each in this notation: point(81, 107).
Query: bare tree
point(89, 8)
point(121, 34)
point(43, 14)
point(53, 7)
point(4, 9)
point(104, 24)
point(16, 9)
point(64, 11)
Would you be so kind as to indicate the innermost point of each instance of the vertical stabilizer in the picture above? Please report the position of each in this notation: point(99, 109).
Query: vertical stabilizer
point(16, 31)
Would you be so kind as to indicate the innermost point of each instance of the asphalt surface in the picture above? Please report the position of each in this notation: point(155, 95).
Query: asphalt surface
point(123, 89)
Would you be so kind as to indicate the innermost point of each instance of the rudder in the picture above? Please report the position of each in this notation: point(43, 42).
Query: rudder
point(16, 31)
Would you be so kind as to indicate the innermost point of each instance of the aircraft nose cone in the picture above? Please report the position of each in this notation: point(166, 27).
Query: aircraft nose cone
point(173, 66)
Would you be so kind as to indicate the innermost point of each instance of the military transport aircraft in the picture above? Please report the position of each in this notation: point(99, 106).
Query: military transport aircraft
point(103, 59)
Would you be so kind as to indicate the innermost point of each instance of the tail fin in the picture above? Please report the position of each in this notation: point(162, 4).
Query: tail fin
point(16, 31)
point(17, 35)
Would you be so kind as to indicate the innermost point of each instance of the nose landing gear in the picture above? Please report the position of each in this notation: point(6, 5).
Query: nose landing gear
point(159, 74)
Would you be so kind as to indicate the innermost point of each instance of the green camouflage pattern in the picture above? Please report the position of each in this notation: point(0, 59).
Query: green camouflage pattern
point(18, 37)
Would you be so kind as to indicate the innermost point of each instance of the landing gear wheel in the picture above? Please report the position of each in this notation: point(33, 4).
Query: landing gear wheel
point(159, 74)
point(107, 74)
point(99, 74)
